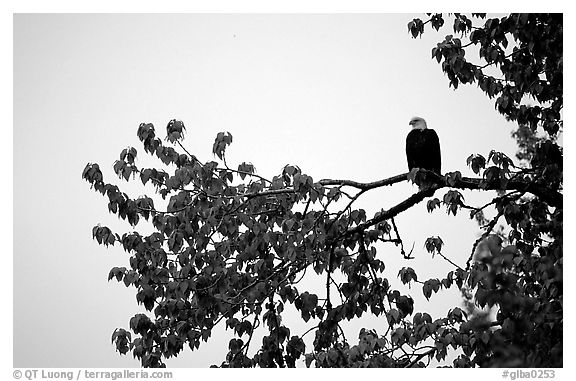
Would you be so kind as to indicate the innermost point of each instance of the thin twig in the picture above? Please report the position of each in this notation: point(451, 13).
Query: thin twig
point(449, 261)
point(398, 239)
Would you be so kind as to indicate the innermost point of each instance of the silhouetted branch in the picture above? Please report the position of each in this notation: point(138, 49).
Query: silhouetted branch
point(393, 211)
point(420, 356)
point(489, 229)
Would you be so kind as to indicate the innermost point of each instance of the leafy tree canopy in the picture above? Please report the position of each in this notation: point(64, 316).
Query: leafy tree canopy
point(231, 246)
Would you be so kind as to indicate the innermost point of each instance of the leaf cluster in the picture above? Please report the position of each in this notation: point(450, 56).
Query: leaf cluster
point(524, 48)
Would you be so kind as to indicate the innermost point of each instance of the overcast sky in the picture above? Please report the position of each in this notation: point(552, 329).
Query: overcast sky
point(332, 94)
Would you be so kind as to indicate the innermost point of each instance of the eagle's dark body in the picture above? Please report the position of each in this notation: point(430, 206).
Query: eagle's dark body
point(423, 150)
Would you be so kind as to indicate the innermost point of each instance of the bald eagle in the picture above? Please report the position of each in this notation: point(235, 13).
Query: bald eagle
point(422, 147)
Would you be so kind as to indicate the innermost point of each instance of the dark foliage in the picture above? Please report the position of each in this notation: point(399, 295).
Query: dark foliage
point(231, 245)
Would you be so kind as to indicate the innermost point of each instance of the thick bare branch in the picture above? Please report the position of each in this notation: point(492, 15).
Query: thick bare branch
point(365, 186)
point(394, 211)
point(553, 198)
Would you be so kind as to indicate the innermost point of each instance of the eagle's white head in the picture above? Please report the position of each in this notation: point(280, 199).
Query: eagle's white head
point(418, 123)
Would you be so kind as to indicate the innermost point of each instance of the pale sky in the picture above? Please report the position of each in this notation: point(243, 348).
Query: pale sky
point(332, 94)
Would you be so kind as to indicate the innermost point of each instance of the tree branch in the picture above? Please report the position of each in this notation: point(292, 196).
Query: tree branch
point(489, 229)
point(393, 211)
point(420, 356)
point(551, 197)
point(449, 261)
point(365, 186)
point(398, 240)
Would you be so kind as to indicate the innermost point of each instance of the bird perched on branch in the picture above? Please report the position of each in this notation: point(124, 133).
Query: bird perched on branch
point(422, 147)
